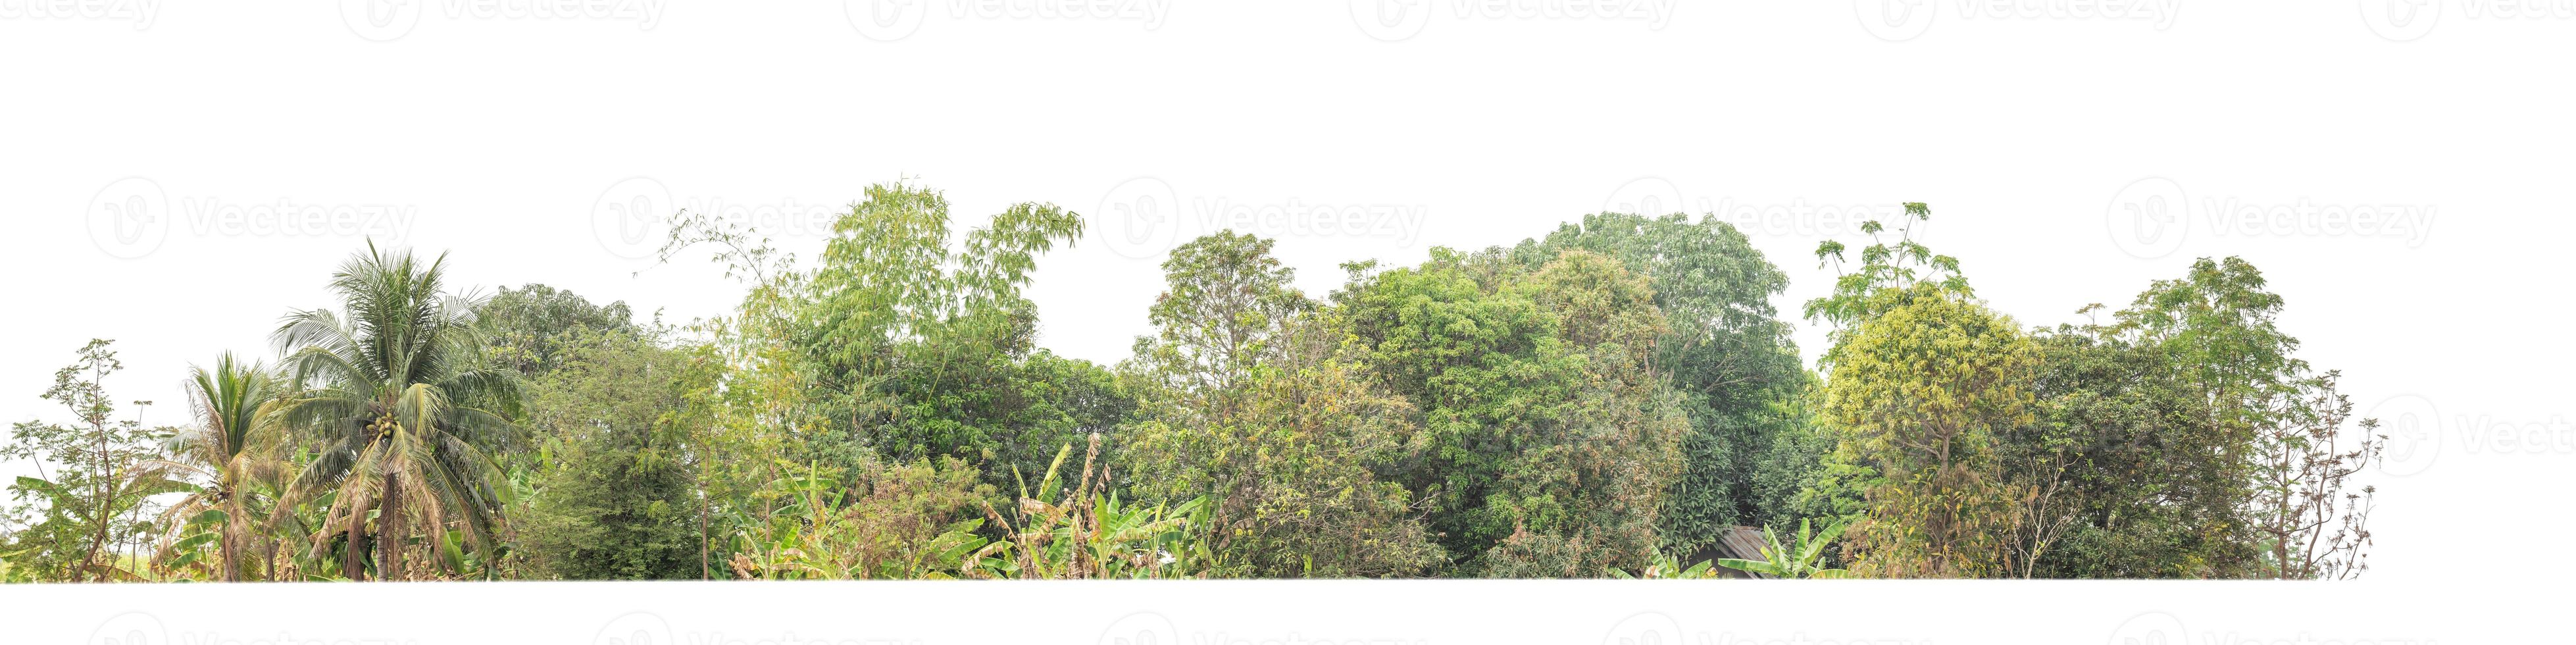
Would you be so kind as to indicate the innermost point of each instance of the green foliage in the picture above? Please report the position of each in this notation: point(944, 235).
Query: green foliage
point(1795, 478)
point(531, 327)
point(1887, 266)
point(903, 522)
point(1604, 401)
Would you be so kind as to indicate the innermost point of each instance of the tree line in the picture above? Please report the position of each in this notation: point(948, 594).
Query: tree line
point(1611, 399)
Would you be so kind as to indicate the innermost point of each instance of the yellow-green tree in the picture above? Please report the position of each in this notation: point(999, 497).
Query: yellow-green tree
point(1918, 395)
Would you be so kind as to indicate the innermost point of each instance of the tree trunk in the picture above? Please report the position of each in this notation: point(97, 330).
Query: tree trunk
point(232, 565)
point(268, 559)
point(703, 567)
point(106, 513)
point(349, 550)
point(389, 538)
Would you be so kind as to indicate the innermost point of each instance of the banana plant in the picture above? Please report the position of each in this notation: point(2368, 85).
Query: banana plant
point(1084, 533)
point(788, 543)
point(1667, 567)
point(190, 552)
point(1801, 560)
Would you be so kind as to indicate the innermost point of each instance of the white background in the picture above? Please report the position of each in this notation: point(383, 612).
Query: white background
point(2072, 151)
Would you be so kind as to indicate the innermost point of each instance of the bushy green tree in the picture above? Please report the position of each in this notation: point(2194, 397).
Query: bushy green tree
point(2119, 488)
point(614, 497)
point(2215, 331)
point(895, 348)
point(1923, 382)
point(1552, 440)
point(1263, 412)
point(1919, 395)
point(2155, 431)
point(1225, 308)
point(1727, 355)
point(1050, 401)
point(920, 348)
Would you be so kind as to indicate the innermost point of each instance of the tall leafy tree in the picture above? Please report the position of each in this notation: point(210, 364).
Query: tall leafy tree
point(894, 349)
point(93, 503)
point(1265, 413)
point(1922, 383)
point(918, 344)
point(2228, 419)
point(2216, 330)
point(1727, 354)
point(1225, 308)
point(404, 406)
point(752, 389)
point(1809, 478)
point(1919, 395)
point(1552, 441)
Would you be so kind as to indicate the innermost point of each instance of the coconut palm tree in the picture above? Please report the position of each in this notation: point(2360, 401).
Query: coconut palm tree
point(395, 391)
point(231, 454)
